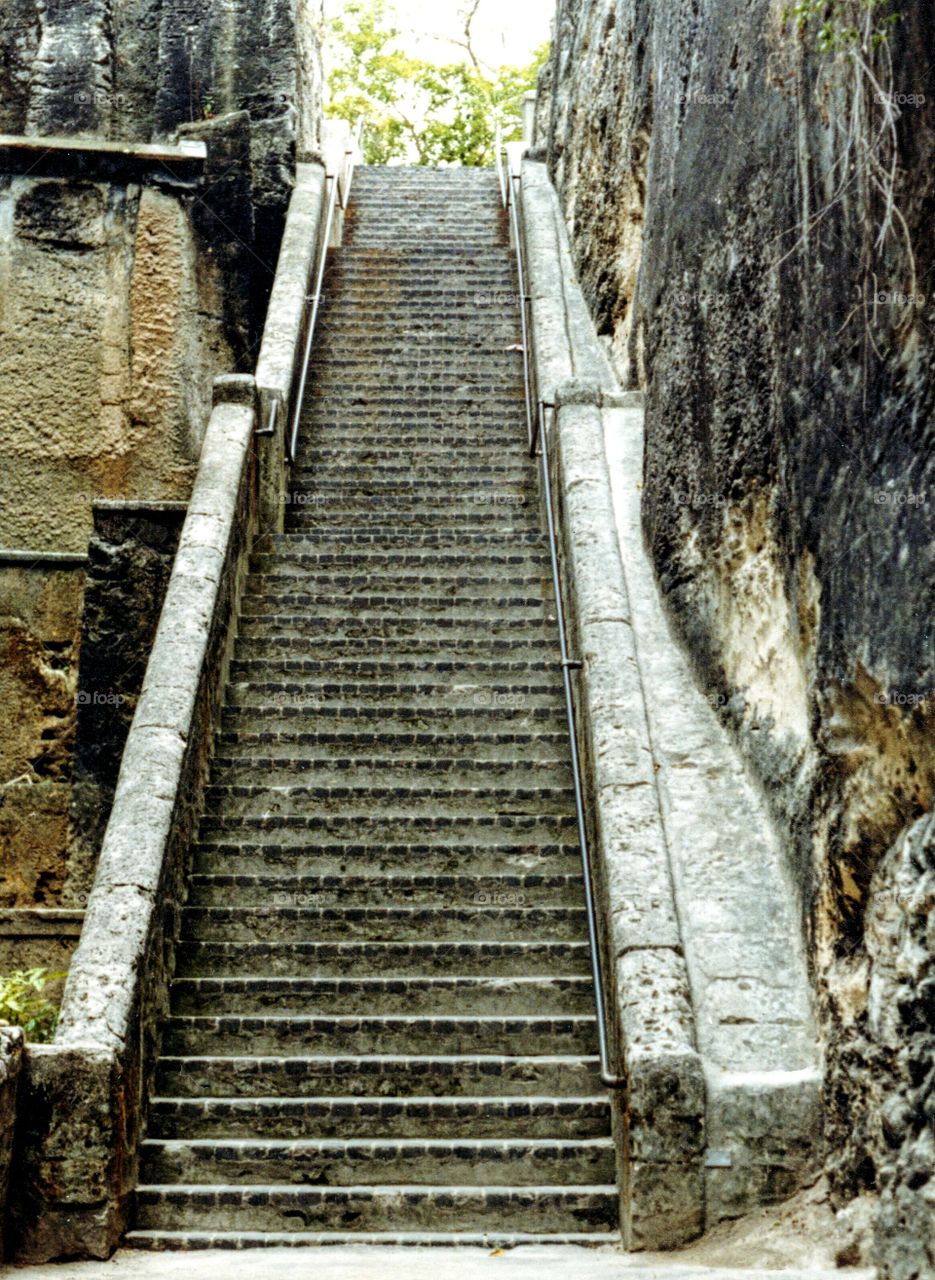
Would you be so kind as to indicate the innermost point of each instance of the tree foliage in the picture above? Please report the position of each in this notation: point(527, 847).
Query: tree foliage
point(413, 109)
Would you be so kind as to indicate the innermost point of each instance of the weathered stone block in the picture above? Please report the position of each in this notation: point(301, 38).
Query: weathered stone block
point(68, 1166)
point(661, 1205)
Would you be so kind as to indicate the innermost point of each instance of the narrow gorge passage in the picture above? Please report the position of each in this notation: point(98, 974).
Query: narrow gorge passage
point(382, 1022)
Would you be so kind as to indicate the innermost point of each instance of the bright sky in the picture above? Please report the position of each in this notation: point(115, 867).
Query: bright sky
point(505, 31)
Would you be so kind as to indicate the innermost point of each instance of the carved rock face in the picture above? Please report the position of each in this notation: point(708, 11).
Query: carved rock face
point(789, 495)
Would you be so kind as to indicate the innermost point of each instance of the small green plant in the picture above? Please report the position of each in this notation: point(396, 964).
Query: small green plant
point(843, 24)
point(23, 1004)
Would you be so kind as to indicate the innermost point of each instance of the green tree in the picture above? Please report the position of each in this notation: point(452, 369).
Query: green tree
point(414, 109)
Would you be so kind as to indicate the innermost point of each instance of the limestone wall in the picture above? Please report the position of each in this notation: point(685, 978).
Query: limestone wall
point(119, 303)
point(725, 216)
point(128, 281)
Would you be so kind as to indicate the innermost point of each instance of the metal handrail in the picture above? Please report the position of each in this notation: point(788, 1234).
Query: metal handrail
point(538, 438)
point(514, 200)
point(336, 198)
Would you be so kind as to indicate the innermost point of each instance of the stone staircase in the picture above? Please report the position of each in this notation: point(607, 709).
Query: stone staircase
point(382, 1024)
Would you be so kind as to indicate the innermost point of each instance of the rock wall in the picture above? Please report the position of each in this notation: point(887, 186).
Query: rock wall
point(130, 559)
point(126, 286)
point(119, 304)
point(763, 269)
point(39, 602)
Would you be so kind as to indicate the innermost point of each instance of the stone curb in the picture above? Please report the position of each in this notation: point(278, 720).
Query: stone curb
point(277, 368)
point(662, 1121)
point(81, 1111)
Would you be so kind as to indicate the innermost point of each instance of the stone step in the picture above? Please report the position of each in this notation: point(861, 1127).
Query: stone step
point(458, 923)
point(345, 287)
point(395, 626)
point(299, 582)
point(475, 510)
point(435, 253)
point(437, 352)
point(427, 430)
point(461, 493)
point(283, 555)
point(335, 1162)
point(389, 1076)
point(495, 326)
point(360, 433)
point(306, 689)
point(362, 466)
point(265, 601)
point(460, 959)
point(495, 309)
point(443, 997)
point(307, 705)
point(386, 371)
point(269, 1035)
point(192, 1241)
point(361, 272)
point(416, 432)
point(538, 647)
point(257, 799)
point(470, 428)
point(488, 747)
point(254, 853)
point(219, 889)
point(326, 461)
point(365, 1209)
point(388, 772)
point(395, 238)
point(380, 542)
point(334, 521)
point(375, 1117)
point(404, 240)
point(442, 395)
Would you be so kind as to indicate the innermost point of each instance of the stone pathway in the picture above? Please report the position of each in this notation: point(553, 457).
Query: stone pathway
point(555, 1262)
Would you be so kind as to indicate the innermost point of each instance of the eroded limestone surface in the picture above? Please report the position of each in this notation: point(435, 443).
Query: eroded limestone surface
point(788, 487)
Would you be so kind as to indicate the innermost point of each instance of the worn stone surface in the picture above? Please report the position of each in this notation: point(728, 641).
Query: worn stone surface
point(662, 1127)
point(129, 562)
point(40, 603)
point(11, 1061)
point(112, 328)
point(102, 992)
point(738, 910)
point(33, 842)
point(116, 308)
point(85, 1107)
point(889, 1066)
point(689, 860)
point(788, 483)
point(76, 1110)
